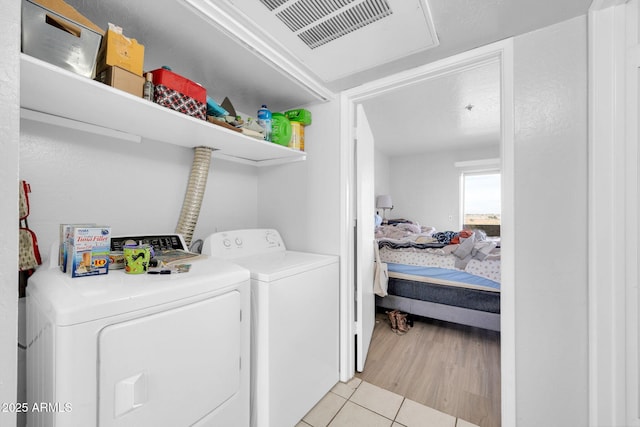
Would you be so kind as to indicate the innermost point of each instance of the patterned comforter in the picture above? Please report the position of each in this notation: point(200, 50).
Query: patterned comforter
point(473, 254)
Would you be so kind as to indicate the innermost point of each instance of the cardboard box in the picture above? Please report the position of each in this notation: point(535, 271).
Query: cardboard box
point(88, 253)
point(66, 235)
point(120, 51)
point(122, 79)
point(56, 33)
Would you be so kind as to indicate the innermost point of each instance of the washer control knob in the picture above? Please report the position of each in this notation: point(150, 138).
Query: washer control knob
point(238, 241)
point(226, 243)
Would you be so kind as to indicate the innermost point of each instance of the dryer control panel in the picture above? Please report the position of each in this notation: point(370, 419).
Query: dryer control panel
point(159, 242)
point(241, 243)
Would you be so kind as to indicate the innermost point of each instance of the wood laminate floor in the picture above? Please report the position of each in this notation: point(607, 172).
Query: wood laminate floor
point(452, 368)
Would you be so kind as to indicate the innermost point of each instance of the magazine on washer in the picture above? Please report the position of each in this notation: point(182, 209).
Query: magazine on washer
point(175, 256)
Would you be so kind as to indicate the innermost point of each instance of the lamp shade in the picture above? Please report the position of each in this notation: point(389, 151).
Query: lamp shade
point(384, 202)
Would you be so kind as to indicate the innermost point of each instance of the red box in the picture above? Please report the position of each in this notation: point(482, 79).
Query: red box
point(174, 81)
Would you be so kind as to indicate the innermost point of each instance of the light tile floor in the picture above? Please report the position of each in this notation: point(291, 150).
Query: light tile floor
point(360, 404)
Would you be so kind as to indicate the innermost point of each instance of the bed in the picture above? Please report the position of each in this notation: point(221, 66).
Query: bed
point(451, 276)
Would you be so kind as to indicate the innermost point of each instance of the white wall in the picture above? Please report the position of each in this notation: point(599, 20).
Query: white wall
point(9, 143)
point(550, 69)
point(302, 200)
point(382, 184)
point(426, 187)
point(134, 188)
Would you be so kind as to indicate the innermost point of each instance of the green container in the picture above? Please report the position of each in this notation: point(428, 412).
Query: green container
point(280, 129)
point(300, 115)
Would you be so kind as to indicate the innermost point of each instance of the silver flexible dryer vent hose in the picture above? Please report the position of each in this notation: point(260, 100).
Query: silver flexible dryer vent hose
point(195, 193)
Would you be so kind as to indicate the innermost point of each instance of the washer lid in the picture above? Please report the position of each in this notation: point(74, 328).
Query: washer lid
point(272, 266)
point(69, 301)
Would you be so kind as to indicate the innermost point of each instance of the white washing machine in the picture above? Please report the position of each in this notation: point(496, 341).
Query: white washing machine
point(140, 350)
point(294, 323)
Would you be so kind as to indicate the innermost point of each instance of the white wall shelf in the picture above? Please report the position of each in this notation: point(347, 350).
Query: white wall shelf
point(59, 97)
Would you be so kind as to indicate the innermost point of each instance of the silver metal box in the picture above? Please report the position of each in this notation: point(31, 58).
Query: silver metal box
point(60, 41)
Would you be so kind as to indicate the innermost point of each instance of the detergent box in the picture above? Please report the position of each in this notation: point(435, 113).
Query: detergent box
point(88, 250)
point(66, 234)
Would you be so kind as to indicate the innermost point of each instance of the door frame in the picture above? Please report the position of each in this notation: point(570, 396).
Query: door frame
point(503, 52)
point(614, 342)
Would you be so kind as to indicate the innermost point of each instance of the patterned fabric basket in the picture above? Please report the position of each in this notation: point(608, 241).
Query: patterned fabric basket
point(177, 101)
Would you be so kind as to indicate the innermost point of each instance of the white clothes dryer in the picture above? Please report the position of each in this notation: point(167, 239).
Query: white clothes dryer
point(139, 350)
point(294, 326)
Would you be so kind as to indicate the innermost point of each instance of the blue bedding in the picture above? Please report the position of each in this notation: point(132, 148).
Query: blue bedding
point(444, 274)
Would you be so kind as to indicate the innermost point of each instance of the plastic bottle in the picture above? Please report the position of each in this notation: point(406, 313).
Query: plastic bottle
point(147, 89)
point(264, 120)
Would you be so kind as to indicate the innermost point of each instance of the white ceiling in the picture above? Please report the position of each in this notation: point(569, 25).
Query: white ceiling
point(188, 36)
point(454, 111)
point(462, 25)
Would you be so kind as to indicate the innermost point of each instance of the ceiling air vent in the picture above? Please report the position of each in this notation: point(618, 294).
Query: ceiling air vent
point(307, 12)
point(317, 22)
point(335, 39)
point(273, 4)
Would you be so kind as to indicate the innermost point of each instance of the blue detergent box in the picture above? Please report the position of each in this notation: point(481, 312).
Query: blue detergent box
point(88, 251)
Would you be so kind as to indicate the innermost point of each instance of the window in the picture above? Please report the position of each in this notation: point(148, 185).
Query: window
point(481, 201)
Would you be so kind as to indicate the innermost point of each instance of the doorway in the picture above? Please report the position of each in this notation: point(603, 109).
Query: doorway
point(350, 325)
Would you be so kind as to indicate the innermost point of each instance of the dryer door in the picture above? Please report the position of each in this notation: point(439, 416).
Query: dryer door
point(170, 368)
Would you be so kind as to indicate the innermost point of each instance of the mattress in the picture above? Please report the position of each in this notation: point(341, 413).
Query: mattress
point(465, 297)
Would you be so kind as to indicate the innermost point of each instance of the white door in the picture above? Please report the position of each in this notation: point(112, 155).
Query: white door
point(365, 298)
